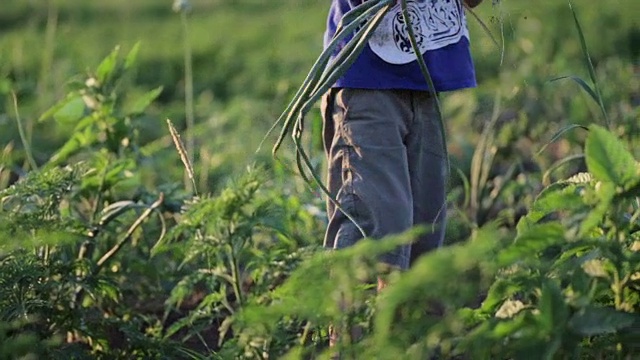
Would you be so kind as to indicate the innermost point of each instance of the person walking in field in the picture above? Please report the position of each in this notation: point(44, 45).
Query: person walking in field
point(382, 131)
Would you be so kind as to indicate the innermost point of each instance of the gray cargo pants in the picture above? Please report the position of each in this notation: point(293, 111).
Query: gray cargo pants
point(386, 168)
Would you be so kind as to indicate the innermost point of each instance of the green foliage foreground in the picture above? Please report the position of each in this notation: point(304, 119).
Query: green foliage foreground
point(242, 283)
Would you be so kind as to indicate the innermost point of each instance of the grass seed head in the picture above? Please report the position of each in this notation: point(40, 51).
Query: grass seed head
point(182, 151)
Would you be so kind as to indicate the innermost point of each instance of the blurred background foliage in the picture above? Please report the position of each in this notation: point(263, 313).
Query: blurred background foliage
point(250, 55)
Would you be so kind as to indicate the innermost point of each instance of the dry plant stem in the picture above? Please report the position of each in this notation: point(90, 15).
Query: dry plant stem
point(23, 136)
point(183, 156)
point(117, 247)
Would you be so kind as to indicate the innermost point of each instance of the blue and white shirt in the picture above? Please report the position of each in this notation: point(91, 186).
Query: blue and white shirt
point(388, 60)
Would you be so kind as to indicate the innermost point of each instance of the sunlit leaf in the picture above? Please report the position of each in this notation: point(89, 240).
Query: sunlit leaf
point(70, 98)
point(71, 112)
point(108, 66)
point(608, 160)
point(141, 103)
point(132, 56)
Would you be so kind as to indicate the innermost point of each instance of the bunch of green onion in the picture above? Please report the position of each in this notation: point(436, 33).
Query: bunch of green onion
point(360, 23)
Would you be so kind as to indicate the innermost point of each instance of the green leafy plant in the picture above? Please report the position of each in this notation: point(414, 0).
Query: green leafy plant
point(63, 228)
point(564, 288)
point(238, 250)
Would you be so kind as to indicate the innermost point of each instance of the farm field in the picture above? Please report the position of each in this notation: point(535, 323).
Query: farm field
point(123, 235)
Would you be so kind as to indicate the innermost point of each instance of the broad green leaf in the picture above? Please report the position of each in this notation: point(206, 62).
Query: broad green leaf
point(132, 56)
point(141, 104)
point(531, 241)
point(72, 111)
point(59, 105)
point(608, 160)
point(561, 196)
point(593, 320)
point(107, 66)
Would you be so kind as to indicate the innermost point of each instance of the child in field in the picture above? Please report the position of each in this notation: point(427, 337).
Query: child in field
point(382, 132)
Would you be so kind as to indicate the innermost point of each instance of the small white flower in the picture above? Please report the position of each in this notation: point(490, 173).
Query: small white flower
point(509, 309)
point(90, 102)
point(181, 5)
point(91, 82)
point(595, 268)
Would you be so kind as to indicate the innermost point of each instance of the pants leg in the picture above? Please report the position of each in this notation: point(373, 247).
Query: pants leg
point(364, 135)
point(428, 171)
point(386, 167)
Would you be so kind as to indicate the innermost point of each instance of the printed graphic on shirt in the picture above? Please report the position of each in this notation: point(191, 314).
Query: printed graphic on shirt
point(436, 24)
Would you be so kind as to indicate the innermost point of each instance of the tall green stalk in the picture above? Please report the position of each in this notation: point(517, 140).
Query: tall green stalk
point(590, 67)
point(183, 7)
